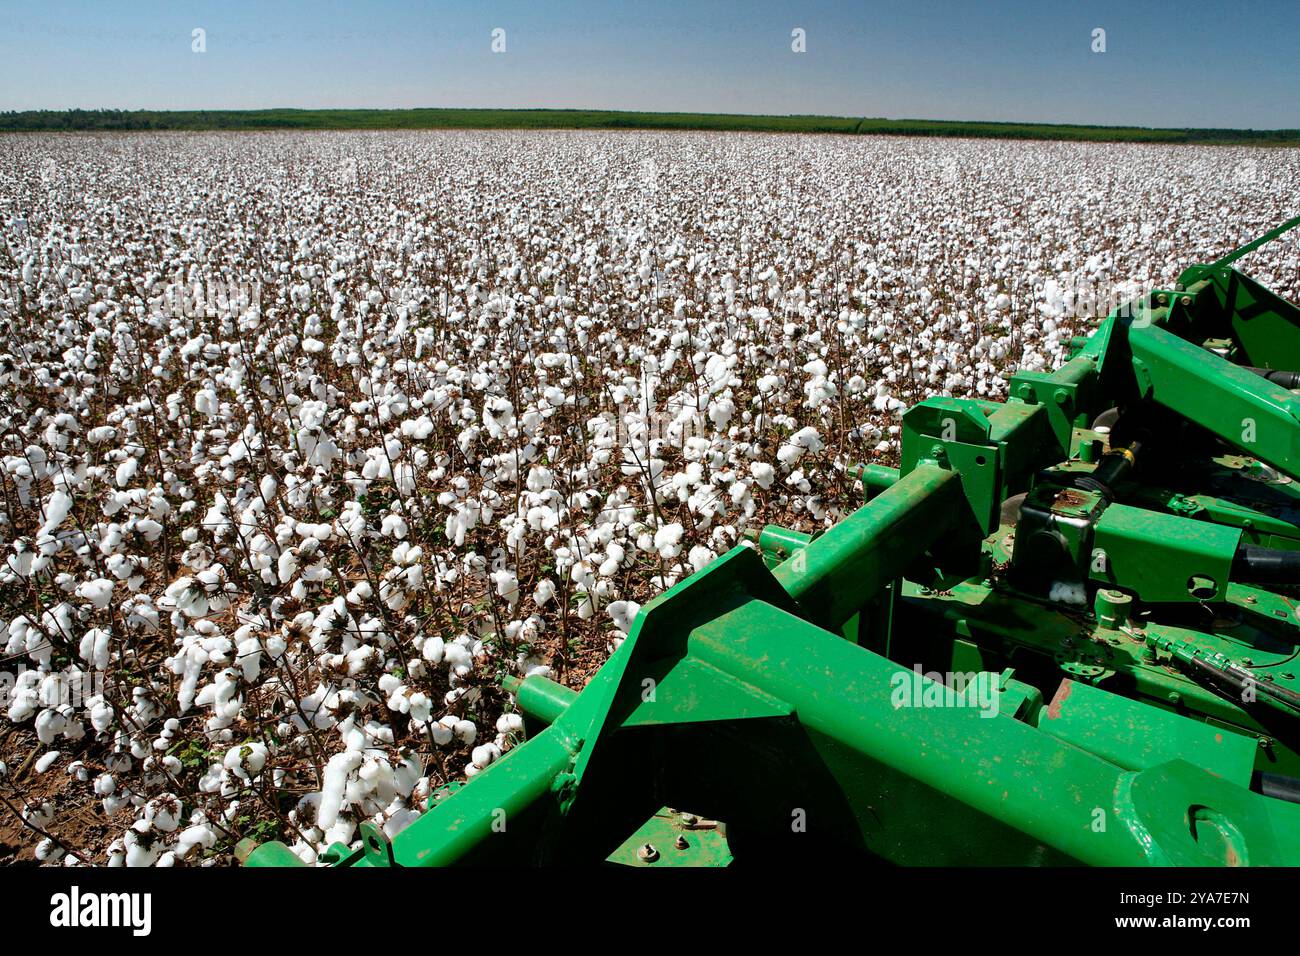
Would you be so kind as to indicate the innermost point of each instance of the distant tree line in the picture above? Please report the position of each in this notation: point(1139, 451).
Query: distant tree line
point(107, 120)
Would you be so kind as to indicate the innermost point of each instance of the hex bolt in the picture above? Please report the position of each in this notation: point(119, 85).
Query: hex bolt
point(681, 842)
point(647, 853)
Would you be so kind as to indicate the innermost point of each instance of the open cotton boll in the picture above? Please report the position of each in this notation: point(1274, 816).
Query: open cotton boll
point(667, 540)
point(699, 557)
point(47, 760)
point(484, 754)
point(623, 613)
point(1068, 592)
point(56, 511)
point(94, 647)
point(98, 592)
point(543, 592)
point(47, 851)
point(142, 845)
point(510, 724)
point(507, 585)
point(198, 836)
point(337, 771)
point(126, 472)
point(247, 758)
point(465, 731)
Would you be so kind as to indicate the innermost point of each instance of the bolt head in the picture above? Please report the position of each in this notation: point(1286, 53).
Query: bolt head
point(647, 853)
point(681, 842)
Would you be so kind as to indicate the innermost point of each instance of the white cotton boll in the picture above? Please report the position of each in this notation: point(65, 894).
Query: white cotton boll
point(1068, 592)
point(200, 835)
point(142, 846)
point(163, 813)
point(442, 733)
point(457, 654)
point(434, 650)
point(287, 565)
point(249, 757)
point(98, 592)
point(510, 724)
point(808, 438)
point(57, 511)
point(47, 761)
point(101, 716)
point(94, 648)
point(393, 526)
point(699, 557)
point(465, 731)
point(418, 428)
point(667, 540)
point(49, 725)
point(484, 754)
point(623, 613)
point(543, 592)
point(402, 818)
point(507, 585)
point(420, 707)
point(404, 478)
point(337, 771)
point(542, 518)
point(126, 471)
point(763, 474)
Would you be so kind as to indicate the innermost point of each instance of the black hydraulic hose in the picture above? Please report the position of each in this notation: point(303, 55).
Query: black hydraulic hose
point(1115, 465)
point(1276, 376)
point(1279, 786)
point(1242, 680)
point(1264, 685)
point(1255, 565)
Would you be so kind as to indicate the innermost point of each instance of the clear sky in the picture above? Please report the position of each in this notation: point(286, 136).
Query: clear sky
point(1192, 63)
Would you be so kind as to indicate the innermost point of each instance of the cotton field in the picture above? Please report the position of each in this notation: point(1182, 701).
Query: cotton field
point(310, 439)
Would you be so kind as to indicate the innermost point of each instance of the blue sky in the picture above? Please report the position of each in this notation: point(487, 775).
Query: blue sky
point(1166, 64)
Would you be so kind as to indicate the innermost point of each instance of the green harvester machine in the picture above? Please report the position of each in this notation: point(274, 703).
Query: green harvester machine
point(1065, 630)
